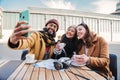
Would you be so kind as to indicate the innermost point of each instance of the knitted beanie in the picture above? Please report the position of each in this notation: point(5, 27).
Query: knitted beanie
point(53, 21)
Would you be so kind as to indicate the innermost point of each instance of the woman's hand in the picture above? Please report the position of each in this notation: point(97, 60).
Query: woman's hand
point(80, 59)
point(57, 47)
point(18, 32)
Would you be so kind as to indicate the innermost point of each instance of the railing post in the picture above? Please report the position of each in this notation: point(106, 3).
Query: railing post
point(111, 31)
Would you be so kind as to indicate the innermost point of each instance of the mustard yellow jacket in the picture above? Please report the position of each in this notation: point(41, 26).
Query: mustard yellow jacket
point(99, 55)
point(35, 44)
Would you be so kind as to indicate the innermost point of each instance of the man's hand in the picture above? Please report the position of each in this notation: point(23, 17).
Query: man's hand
point(19, 31)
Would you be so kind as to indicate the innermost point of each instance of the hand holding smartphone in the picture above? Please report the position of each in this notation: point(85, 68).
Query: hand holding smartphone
point(24, 16)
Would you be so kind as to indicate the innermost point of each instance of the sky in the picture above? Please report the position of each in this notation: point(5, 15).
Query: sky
point(96, 6)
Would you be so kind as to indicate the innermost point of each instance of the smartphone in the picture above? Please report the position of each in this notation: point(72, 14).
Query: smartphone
point(24, 16)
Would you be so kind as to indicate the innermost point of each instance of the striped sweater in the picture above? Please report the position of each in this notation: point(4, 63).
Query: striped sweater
point(36, 45)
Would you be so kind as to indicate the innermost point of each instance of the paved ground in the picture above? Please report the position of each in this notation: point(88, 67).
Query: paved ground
point(115, 48)
point(8, 53)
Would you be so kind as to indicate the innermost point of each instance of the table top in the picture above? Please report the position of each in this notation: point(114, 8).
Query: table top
point(29, 72)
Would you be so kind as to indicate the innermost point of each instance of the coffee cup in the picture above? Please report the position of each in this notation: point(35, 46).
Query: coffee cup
point(30, 58)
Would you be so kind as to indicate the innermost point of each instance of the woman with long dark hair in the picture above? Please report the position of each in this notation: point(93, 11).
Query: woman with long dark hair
point(93, 51)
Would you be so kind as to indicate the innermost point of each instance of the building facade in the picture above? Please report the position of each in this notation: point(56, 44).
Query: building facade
point(0, 22)
point(117, 12)
point(107, 26)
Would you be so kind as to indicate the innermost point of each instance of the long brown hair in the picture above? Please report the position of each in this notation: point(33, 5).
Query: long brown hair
point(88, 37)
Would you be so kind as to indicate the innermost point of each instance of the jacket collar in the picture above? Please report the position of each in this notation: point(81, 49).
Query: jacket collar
point(94, 36)
point(91, 49)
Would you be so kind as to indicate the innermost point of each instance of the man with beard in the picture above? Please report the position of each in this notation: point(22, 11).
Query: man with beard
point(40, 43)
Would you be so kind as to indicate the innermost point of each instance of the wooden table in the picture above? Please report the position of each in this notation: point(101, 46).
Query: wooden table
point(29, 72)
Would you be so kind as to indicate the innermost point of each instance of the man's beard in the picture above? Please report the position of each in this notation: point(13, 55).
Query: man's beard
point(49, 34)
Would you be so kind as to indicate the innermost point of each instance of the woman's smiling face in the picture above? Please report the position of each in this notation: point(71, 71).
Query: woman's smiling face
point(81, 31)
point(70, 33)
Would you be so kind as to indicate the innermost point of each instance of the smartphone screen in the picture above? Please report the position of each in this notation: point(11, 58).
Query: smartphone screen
point(24, 16)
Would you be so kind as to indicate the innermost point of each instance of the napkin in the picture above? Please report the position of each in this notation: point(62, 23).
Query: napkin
point(46, 64)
